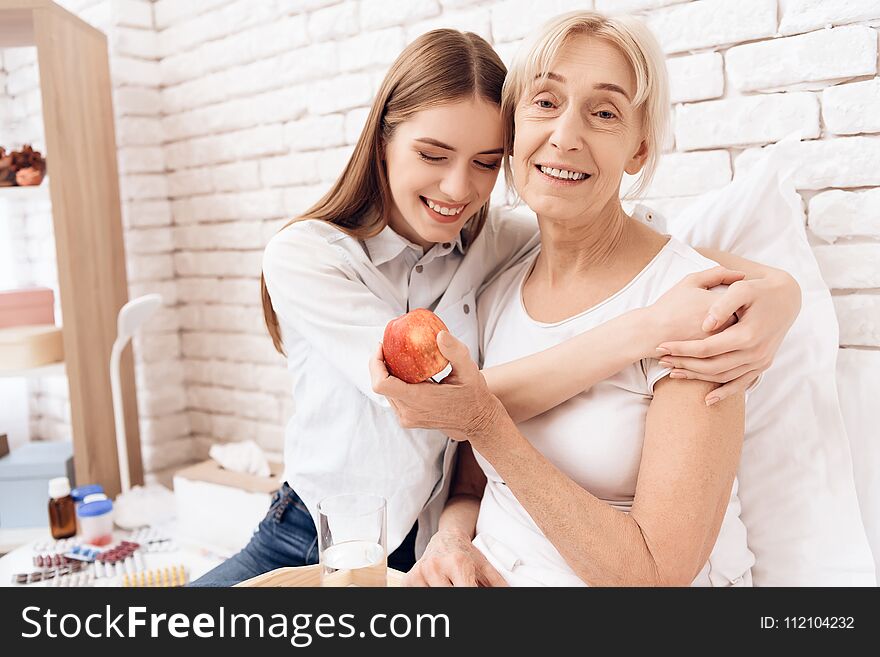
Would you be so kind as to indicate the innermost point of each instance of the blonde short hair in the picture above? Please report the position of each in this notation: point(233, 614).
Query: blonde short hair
point(636, 43)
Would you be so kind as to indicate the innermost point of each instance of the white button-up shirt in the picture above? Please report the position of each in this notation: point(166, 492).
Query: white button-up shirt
point(333, 295)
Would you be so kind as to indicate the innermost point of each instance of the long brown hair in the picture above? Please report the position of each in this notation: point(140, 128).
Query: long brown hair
point(439, 67)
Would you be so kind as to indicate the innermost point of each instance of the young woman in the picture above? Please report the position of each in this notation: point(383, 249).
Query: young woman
point(407, 225)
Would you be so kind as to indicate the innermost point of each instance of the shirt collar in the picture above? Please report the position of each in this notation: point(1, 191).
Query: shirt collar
point(388, 244)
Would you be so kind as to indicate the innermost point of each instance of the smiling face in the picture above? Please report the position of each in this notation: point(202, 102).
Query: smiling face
point(442, 163)
point(576, 132)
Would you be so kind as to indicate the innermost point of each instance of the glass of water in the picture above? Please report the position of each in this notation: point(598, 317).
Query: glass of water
point(351, 540)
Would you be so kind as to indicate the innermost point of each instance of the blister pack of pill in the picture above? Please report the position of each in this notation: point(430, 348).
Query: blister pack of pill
point(152, 539)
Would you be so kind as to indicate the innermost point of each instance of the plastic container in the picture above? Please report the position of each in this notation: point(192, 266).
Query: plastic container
point(95, 516)
point(80, 492)
point(62, 515)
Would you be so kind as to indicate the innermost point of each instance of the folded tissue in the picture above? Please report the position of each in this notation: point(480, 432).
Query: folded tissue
point(152, 504)
point(245, 456)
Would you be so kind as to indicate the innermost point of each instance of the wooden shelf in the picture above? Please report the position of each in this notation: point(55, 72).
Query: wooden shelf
point(26, 21)
point(33, 193)
point(53, 369)
point(80, 144)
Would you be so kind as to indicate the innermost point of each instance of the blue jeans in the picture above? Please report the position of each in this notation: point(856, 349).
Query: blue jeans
point(287, 537)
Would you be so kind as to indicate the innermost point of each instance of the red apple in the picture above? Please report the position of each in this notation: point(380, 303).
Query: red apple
point(409, 346)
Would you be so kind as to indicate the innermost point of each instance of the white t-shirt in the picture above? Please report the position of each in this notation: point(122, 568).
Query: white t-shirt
point(594, 438)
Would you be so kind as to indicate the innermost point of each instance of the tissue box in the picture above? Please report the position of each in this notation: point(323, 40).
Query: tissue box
point(31, 306)
point(219, 508)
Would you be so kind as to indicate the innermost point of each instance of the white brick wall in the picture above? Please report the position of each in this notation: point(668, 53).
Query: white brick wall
point(803, 15)
point(695, 77)
point(134, 63)
point(838, 213)
point(233, 116)
point(746, 120)
point(824, 163)
point(711, 23)
point(852, 108)
point(850, 266)
point(835, 54)
point(689, 174)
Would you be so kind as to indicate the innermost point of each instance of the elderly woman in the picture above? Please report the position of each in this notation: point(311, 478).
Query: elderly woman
point(631, 482)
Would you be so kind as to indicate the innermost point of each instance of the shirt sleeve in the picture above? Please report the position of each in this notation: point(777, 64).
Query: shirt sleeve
point(316, 292)
point(654, 371)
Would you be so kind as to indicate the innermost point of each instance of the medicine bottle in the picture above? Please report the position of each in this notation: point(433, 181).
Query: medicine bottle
point(62, 514)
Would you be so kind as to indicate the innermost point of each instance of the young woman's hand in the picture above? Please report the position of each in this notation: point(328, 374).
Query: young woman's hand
point(461, 405)
point(452, 560)
point(735, 355)
point(681, 312)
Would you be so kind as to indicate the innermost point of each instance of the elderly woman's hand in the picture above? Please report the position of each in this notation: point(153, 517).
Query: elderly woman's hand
point(735, 356)
point(461, 405)
point(452, 560)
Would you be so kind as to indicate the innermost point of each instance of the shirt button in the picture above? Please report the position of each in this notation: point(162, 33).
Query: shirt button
point(650, 217)
point(467, 309)
point(419, 269)
point(446, 245)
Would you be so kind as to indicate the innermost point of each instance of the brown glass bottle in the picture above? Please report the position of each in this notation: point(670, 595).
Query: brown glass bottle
point(62, 512)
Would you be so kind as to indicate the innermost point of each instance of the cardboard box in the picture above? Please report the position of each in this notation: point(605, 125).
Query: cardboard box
point(23, 347)
point(29, 306)
point(220, 509)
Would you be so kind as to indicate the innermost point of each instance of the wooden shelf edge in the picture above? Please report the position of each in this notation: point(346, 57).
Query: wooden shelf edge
point(26, 193)
point(52, 369)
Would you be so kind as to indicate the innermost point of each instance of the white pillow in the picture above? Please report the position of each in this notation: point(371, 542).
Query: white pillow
point(796, 485)
point(858, 382)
